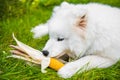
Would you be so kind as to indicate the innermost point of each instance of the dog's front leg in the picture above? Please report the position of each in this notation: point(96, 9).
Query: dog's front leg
point(85, 63)
point(40, 30)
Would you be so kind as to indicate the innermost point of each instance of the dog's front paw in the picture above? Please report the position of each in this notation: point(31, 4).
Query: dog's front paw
point(67, 71)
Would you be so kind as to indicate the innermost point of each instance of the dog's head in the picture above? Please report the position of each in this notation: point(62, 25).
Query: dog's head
point(66, 30)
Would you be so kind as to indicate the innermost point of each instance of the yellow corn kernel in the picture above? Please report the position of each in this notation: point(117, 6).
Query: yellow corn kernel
point(55, 64)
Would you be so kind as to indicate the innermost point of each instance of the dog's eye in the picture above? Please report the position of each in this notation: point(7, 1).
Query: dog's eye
point(60, 39)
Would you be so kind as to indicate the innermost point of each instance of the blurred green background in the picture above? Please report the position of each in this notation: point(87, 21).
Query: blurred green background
point(20, 16)
point(15, 8)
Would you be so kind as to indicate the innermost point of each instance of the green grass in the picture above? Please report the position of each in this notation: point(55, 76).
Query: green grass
point(14, 69)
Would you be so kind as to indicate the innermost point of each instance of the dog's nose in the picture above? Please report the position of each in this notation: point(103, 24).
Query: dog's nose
point(45, 52)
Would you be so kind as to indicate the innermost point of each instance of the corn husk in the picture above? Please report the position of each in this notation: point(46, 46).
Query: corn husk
point(25, 52)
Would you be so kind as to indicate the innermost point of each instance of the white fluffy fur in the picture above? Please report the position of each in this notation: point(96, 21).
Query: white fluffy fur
point(40, 30)
point(100, 46)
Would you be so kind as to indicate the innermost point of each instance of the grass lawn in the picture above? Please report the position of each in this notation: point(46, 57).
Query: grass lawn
point(14, 69)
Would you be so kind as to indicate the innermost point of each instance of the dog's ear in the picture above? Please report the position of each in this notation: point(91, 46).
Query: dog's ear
point(81, 25)
point(63, 5)
point(81, 21)
point(56, 8)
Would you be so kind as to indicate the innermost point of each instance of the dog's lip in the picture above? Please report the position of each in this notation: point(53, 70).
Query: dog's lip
point(61, 54)
point(67, 51)
point(62, 57)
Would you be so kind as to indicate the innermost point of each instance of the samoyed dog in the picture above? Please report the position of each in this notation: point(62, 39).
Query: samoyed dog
point(90, 32)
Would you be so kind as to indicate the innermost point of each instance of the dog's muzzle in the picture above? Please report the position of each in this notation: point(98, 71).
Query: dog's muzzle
point(65, 56)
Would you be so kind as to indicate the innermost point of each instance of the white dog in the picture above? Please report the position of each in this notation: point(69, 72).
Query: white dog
point(89, 31)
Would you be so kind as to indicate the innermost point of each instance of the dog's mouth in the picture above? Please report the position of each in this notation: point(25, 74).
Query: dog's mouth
point(65, 56)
